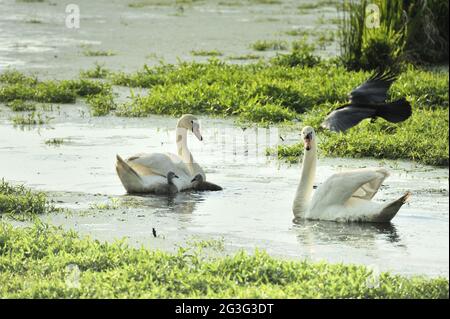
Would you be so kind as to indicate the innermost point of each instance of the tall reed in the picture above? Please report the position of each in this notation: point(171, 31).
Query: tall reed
point(413, 31)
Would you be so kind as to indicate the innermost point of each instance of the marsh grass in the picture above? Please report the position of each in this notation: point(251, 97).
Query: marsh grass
point(206, 53)
point(413, 31)
point(55, 141)
point(20, 105)
point(97, 53)
point(98, 72)
point(30, 119)
point(266, 45)
point(19, 202)
point(101, 104)
point(248, 56)
point(35, 263)
point(19, 91)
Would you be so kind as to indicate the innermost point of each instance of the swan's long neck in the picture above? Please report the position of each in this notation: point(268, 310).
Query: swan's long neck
point(182, 148)
point(305, 187)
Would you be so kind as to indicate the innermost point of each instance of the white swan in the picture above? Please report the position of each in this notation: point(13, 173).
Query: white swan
point(344, 197)
point(145, 173)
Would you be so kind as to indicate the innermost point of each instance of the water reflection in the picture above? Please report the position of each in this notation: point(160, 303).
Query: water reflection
point(354, 234)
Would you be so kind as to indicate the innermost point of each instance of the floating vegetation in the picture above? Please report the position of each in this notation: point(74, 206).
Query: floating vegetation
point(95, 53)
point(248, 56)
point(101, 104)
point(206, 53)
point(33, 118)
point(265, 1)
point(55, 141)
point(266, 45)
point(33, 21)
point(16, 88)
point(20, 105)
point(98, 72)
point(146, 3)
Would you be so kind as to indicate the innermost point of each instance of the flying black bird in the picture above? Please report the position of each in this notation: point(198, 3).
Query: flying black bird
point(369, 101)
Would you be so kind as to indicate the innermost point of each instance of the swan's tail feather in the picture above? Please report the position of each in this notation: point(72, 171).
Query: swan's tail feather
point(391, 209)
point(128, 176)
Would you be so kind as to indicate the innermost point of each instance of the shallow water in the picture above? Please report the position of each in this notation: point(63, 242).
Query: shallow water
point(142, 35)
point(253, 210)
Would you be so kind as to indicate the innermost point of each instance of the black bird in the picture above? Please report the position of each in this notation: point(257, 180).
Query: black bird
point(369, 101)
point(154, 232)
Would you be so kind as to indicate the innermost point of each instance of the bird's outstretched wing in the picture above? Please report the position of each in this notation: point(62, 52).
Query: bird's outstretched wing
point(374, 90)
point(346, 117)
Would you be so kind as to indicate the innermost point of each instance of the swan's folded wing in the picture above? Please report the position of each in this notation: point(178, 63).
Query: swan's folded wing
point(340, 187)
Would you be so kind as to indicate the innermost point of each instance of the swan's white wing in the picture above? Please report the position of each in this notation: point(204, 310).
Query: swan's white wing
point(158, 164)
point(340, 187)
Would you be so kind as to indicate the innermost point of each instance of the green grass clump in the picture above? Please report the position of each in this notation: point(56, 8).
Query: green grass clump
point(206, 53)
point(266, 45)
point(84, 87)
point(20, 202)
point(15, 88)
point(248, 56)
point(20, 105)
point(101, 104)
point(55, 141)
point(95, 53)
point(42, 261)
point(266, 113)
point(33, 118)
point(16, 77)
point(98, 72)
point(302, 55)
point(265, 1)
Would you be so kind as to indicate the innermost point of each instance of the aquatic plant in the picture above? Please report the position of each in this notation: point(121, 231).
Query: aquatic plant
point(265, 45)
point(86, 268)
point(318, 4)
point(415, 31)
point(20, 105)
point(145, 3)
point(33, 118)
point(97, 53)
point(55, 141)
point(98, 72)
point(19, 202)
point(17, 90)
point(206, 53)
point(248, 56)
point(101, 104)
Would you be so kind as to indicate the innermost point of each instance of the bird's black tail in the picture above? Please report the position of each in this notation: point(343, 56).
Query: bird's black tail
point(395, 112)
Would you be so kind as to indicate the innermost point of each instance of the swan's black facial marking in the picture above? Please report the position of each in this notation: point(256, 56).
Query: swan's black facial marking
point(307, 140)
